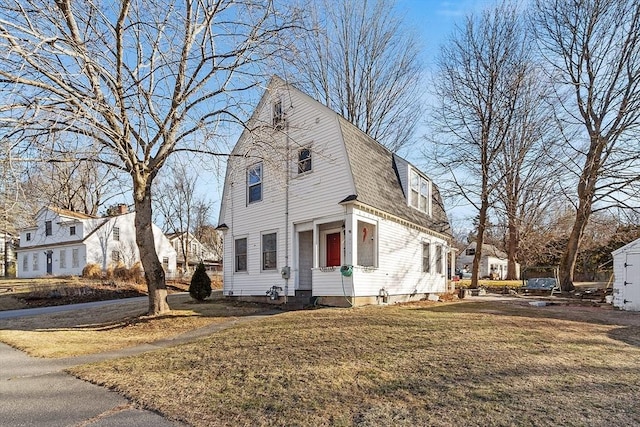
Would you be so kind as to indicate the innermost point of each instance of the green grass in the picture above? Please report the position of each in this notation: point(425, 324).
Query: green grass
point(490, 363)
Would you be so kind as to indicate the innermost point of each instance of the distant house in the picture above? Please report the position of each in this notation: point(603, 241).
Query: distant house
point(7, 254)
point(493, 263)
point(315, 209)
point(626, 270)
point(63, 242)
point(197, 252)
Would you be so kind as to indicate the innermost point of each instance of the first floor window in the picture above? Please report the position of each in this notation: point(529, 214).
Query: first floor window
point(241, 254)
point(439, 262)
point(366, 244)
point(426, 257)
point(75, 258)
point(115, 256)
point(165, 263)
point(25, 262)
point(63, 258)
point(35, 262)
point(269, 251)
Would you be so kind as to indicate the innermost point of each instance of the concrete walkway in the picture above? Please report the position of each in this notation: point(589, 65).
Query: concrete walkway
point(37, 392)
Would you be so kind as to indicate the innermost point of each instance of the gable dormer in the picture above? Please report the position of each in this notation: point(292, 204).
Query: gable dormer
point(416, 186)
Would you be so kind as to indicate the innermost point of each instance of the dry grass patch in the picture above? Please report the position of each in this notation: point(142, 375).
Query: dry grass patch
point(112, 327)
point(438, 365)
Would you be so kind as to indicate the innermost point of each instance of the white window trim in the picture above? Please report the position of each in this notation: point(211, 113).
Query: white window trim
point(431, 266)
point(429, 197)
point(246, 237)
point(262, 269)
point(376, 255)
point(261, 183)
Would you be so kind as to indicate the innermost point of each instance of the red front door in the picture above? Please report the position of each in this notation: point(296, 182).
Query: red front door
point(333, 249)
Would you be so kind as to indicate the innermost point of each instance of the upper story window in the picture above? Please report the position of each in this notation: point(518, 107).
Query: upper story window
point(116, 234)
point(278, 115)
point(419, 192)
point(72, 230)
point(254, 183)
point(28, 237)
point(47, 228)
point(470, 251)
point(304, 160)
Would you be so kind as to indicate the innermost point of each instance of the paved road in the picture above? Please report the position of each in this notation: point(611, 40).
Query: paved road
point(37, 392)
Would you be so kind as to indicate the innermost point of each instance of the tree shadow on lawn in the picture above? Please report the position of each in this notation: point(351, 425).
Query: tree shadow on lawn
point(130, 315)
point(629, 332)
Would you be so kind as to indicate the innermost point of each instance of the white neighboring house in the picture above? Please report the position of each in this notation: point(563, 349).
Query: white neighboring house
point(493, 262)
point(197, 252)
point(62, 243)
point(314, 209)
point(626, 270)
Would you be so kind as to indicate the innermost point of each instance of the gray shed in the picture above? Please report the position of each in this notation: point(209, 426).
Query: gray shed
point(626, 269)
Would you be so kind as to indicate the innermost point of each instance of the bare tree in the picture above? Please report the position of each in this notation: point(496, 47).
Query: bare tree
point(359, 59)
point(481, 75)
point(593, 49)
point(526, 159)
point(140, 79)
point(180, 207)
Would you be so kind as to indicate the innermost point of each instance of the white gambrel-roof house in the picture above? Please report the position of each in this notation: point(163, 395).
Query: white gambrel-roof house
point(626, 270)
point(314, 207)
point(63, 242)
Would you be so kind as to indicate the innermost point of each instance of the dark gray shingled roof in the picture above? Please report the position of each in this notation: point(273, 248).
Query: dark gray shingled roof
point(378, 185)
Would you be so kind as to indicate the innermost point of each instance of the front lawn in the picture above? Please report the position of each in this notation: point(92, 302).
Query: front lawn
point(117, 326)
point(469, 363)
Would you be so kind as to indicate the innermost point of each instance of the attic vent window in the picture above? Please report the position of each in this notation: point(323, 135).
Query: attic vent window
point(278, 115)
point(304, 160)
point(419, 192)
point(470, 251)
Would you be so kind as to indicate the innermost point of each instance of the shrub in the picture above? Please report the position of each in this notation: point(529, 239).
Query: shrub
point(200, 287)
point(92, 271)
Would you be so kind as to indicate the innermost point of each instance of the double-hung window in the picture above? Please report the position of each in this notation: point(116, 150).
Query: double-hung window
point(254, 183)
point(75, 258)
point(116, 234)
point(439, 263)
point(63, 258)
point(426, 257)
point(241, 254)
point(419, 189)
point(269, 251)
point(304, 160)
point(72, 230)
point(47, 228)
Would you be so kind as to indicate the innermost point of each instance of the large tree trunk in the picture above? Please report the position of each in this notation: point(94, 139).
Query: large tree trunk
point(586, 193)
point(482, 221)
point(512, 250)
point(153, 271)
point(570, 255)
